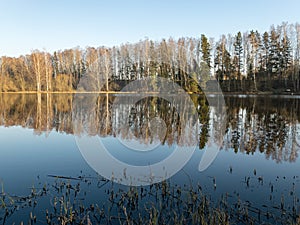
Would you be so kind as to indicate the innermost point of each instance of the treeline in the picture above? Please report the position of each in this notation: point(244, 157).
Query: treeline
point(259, 58)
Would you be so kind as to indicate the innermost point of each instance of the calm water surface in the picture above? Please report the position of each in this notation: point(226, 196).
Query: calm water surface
point(258, 162)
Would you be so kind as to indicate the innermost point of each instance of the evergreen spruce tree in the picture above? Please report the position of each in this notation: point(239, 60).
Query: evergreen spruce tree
point(274, 53)
point(238, 52)
point(205, 50)
point(285, 55)
point(265, 53)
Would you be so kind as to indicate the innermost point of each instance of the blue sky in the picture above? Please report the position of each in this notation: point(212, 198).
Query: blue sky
point(61, 24)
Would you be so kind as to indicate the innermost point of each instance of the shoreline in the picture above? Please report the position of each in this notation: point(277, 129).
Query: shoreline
point(267, 93)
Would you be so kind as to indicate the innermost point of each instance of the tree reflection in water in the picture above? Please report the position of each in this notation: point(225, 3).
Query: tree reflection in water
point(265, 124)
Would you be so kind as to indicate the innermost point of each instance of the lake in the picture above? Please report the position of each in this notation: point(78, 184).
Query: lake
point(115, 159)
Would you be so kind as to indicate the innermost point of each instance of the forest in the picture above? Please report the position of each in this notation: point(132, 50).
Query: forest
point(243, 62)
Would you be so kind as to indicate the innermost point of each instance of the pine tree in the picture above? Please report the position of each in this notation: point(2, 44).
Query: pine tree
point(222, 61)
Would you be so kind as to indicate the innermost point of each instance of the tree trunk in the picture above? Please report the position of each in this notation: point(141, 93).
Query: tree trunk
point(39, 112)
